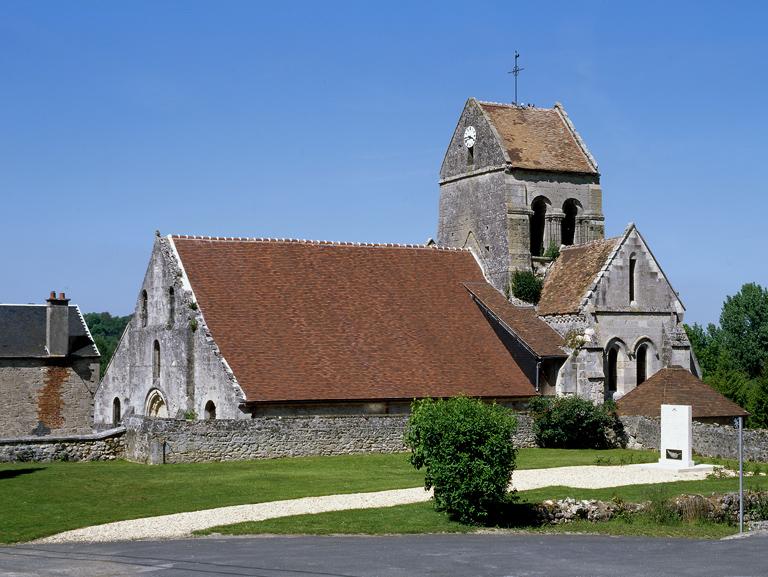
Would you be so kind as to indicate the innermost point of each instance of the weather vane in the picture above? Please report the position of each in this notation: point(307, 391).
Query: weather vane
point(516, 71)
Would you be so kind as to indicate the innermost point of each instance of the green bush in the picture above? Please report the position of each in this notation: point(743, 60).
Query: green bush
point(574, 423)
point(526, 286)
point(553, 251)
point(465, 447)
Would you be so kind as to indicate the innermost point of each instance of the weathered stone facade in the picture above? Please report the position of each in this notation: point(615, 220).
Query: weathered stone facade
point(167, 363)
point(43, 396)
point(630, 332)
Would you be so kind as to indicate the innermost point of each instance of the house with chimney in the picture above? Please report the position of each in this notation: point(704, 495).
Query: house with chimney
point(49, 369)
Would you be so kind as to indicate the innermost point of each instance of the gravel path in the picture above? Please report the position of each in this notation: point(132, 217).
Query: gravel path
point(183, 524)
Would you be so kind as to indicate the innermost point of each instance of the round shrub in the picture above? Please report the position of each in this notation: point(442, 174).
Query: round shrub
point(574, 423)
point(526, 286)
point(465, 447)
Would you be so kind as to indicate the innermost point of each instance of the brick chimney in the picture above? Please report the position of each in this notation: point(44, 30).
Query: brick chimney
point(57, 325)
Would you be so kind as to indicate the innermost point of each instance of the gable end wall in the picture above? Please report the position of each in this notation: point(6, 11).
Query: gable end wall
point(191, 369)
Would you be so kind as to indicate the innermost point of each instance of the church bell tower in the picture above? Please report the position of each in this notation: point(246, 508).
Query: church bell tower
point(516, 180)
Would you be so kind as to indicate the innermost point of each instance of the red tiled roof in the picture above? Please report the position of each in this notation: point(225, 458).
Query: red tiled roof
point(537, 335)
point(676, 386)
point(313, 321)
point(572, 274)
point(538, 138)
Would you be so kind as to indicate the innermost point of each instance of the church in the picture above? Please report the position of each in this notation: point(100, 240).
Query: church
point(235, 328)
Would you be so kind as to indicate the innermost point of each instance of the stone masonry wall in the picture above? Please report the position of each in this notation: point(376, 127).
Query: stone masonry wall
point(43, 397)
point(709, 440)
point(190, 370)
point(158, 441)
point(105, 446)
point(155, 441)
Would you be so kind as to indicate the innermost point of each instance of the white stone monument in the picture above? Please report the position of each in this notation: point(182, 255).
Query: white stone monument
point(676, 443)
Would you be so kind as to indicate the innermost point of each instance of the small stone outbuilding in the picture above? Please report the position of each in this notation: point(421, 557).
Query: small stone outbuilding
point(677, 386)
point(49, 369)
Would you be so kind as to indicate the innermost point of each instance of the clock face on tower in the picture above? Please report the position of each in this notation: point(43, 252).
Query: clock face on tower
point(470, 136)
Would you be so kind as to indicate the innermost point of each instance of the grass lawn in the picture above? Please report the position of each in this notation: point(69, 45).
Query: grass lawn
point(422, 518)
point(39, 499)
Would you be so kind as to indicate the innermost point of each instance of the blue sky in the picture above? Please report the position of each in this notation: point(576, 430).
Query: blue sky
point(329, 121)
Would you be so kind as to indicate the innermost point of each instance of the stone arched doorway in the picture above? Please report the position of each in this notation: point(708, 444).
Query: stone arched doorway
point(155, 406)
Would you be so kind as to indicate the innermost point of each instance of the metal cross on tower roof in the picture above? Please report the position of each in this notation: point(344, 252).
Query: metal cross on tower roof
point(516, 71)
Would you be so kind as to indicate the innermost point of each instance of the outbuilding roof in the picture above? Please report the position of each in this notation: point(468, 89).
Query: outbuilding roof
point(300, 320)
point(677, 386)
point(23, 332)
point(539, 138)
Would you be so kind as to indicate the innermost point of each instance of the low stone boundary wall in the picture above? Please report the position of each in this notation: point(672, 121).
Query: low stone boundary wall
point(709, 440)
point(104, 446)
point(155, 441)
point(158, 441)
point(175, 441)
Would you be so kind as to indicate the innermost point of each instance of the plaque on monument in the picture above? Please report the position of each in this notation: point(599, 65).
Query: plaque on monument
point(676, 436)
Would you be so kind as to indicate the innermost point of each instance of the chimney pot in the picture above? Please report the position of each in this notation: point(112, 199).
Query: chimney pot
point(57, 325)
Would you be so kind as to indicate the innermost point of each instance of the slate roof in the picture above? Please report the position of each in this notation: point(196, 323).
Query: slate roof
point(22, 332)
point(299, 320)
point(539, 138)
point(572, 275)
point(677, 386)
point(536, 335)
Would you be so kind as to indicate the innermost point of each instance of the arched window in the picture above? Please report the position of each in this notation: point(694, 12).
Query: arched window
point(210, 411)
point(539, 207)
point(568, 228)
point(156, 406)
point(641, 359)
point(632, 267)
point(156, 364)
point(612, 367)
point(143, 312)
point(171, 306)
point(116, 416)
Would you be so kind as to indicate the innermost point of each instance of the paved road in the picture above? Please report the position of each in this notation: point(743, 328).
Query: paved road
point(400, 556)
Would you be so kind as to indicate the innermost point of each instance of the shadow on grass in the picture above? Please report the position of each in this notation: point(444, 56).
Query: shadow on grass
point(11, 473)
point(514, 515)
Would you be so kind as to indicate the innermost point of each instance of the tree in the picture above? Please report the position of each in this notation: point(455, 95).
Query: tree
point(465, 447)
point(758, 406)
point(744, 328)
point(734, 355)
point(106, 331)
point(706, 344)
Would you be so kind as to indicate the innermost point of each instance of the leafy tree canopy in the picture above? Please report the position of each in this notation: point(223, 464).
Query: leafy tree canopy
point(106, 331)
point(744, 328)
point(734, 355)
